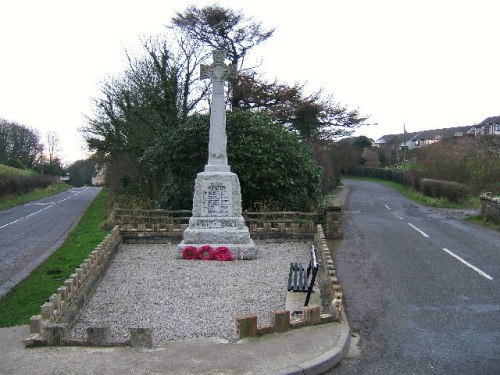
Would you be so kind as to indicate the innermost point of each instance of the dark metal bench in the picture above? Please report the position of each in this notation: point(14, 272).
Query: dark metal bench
point(302, 276)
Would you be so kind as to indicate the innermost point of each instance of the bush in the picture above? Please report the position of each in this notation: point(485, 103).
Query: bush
point(274, 168)
point(452, 191)
point(16, 185)
point(472, 161)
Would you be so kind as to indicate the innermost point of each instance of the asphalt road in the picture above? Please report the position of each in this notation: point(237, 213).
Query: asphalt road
point(422, 289)
point(30, 233)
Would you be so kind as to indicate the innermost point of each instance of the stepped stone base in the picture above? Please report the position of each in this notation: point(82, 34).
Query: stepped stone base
point(216, 218)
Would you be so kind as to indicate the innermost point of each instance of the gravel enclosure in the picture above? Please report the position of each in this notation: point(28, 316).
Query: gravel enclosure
point(148, 286)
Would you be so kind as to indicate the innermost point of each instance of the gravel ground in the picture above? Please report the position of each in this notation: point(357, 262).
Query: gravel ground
point(457, 213)
point(147, 286)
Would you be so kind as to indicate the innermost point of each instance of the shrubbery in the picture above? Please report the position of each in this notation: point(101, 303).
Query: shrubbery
point(275, 169)
point(472, 161)
point(14, 185)
point(453, 191)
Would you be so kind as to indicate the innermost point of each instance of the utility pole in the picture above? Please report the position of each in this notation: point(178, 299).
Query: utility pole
point(404, 143)
point(404, 154)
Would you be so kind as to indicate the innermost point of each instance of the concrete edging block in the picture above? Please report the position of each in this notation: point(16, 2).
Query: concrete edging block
point(329, 359)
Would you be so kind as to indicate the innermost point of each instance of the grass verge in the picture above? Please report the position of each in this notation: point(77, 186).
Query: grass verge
point(418, 197)
point(56, 188)
point(25, 299)
point(479, 220)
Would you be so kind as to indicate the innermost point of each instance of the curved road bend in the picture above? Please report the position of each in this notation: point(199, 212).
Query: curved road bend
point(31, 232)
point(422, 289)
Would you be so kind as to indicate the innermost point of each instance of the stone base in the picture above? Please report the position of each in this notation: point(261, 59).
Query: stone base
point(217, 218)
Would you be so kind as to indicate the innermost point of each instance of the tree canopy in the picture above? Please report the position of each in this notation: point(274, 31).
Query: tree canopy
point(314, 117)
point(216, 27)
point(362, 142)
point(20, 146)
point(81, 172)
point(137, 106)
point(222, 28)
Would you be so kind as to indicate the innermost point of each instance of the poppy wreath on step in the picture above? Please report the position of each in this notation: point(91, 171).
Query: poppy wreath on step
point(190, 252)
point(206, 252)
point(223, 253)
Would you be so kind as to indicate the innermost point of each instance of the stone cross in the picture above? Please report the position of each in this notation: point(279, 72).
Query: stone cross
point(217, 144)
point(217, 217)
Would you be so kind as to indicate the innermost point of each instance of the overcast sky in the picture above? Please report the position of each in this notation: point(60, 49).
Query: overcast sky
point(428, 64)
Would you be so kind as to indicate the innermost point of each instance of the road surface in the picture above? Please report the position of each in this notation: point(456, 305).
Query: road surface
point(30, 233)
point(423, 290)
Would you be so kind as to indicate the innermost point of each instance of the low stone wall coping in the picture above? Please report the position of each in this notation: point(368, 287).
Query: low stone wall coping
point(490, 209)
point(50, 326)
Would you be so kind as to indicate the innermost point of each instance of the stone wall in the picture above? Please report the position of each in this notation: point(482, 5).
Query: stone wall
point(158, 226)
point(328, 282)
point(490, 209)
point(58, 314)
point(333, 214)
point(333, 222)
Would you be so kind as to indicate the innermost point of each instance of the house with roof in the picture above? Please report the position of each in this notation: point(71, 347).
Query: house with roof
point(410, 141)
point(489, 126)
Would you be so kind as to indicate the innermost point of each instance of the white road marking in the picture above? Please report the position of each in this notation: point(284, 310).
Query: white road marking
point(418, 230)
point(51, 204)
point(468, 264)
point(399, 217)
point(25, 217)
point(40, 204)
point(386, 206)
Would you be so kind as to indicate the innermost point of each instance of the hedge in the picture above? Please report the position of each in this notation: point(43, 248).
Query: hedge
point(453, 191)
point(409, 178)
point(13, 185)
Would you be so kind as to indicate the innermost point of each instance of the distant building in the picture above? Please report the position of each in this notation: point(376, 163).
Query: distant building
point(99, 176)
point(490, 126)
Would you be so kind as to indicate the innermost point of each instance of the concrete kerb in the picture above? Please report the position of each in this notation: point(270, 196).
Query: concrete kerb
point(341, 197)
point(327, 360)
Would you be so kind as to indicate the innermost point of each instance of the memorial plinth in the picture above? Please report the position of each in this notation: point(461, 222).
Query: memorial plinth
point(216, 217)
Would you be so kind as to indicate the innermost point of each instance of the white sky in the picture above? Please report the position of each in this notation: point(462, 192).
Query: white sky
point(428, 63)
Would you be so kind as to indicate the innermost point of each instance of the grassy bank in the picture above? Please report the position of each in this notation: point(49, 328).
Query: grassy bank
point(25, 299)
point(56, 188)
point(418, 197)
point(10, 171)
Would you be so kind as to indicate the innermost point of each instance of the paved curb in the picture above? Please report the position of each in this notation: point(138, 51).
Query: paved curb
point(327, 360)
point(343, 195)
